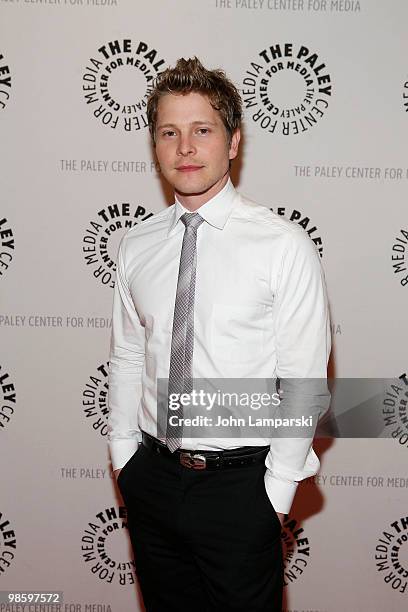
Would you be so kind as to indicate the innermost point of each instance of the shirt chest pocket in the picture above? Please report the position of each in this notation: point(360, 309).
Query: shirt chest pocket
point(237, 332)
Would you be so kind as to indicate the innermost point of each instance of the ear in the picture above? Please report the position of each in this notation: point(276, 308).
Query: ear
point(233, 149)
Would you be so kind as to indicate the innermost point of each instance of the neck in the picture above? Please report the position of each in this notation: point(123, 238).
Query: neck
point(193, 201)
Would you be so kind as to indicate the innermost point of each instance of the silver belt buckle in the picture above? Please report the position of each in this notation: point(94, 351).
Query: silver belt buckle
point(195, 462)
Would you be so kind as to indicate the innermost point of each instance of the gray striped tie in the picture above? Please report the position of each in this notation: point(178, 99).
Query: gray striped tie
point(182, 340)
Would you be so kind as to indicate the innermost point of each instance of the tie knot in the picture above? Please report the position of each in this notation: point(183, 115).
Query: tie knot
point(191, 220)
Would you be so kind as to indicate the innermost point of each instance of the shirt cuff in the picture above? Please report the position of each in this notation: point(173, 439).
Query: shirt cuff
point(121, 450)
point(280, 492)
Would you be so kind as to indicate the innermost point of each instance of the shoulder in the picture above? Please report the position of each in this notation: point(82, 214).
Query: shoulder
point(156, 222)
point(289, 235)
point(147, 229)
point(262, 214)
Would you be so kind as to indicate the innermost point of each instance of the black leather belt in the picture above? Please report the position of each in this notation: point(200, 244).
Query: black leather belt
point(208, 460)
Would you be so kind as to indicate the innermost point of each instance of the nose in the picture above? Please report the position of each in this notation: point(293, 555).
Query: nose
point(185, 145)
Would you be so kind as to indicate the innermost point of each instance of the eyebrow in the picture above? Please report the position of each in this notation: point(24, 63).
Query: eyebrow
point(172, 125)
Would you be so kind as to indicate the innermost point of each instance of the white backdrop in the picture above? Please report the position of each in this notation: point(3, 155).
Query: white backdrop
point(76, 167)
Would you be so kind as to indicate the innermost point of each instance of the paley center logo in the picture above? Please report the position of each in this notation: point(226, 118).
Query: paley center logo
point(95, 399)
point(399, 257)
point(394, 409)
point(5, 82)
point(304, 221)
point(8, 398)
point(286, 89)
point(8, 544)
point(118, 80)
point(102, 237)
point(6, 245)
point(106, 547)
point(295, 549)
point(391, 555)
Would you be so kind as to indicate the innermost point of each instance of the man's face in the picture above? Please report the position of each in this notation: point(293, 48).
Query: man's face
point(192, 144)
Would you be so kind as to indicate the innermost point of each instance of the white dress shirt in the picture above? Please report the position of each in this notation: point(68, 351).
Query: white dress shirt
point(260, 312)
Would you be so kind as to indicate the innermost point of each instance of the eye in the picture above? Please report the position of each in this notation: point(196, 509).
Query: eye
point(203, 130)
point(168, 133)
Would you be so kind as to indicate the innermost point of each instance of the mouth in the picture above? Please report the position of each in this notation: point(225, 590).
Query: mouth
point(189, 168)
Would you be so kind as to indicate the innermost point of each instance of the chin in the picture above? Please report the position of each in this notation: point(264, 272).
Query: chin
point(191, 189)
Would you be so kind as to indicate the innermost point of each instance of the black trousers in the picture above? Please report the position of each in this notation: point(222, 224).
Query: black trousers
point(203, 541)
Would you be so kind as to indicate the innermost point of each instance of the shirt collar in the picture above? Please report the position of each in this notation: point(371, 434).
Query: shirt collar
point(216, 211)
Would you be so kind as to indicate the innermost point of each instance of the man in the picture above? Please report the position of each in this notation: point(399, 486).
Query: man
point(213, 287)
